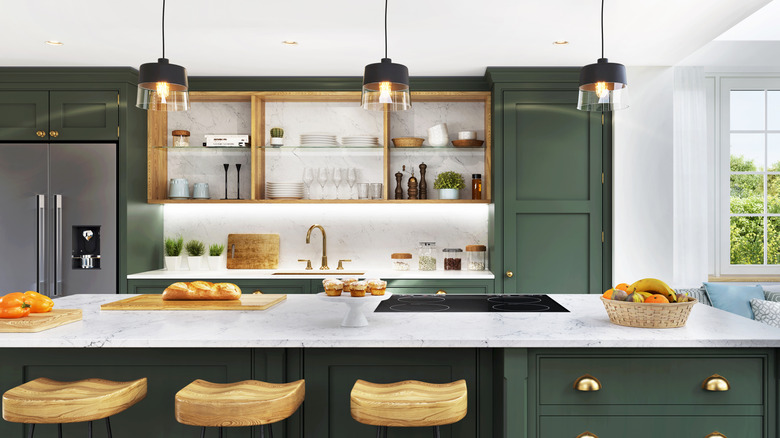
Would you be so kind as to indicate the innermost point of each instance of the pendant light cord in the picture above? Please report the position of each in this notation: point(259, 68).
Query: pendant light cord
point(163, 28)
point(602, 27)
point(386, 27)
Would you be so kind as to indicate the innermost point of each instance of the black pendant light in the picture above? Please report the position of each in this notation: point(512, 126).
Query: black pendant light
point(386, 84)
point(603, 85)
point(162, 86)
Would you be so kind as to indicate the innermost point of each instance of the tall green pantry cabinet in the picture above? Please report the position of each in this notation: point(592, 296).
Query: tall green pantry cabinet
point(551, 222)
point(54, 105)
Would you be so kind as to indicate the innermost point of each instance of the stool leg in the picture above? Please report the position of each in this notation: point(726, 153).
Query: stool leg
point(436, 432)
point(32, 429)
point(108, 428)
point(378, 432)
point(262, 431)
point(220, 431)
point(203, 432)
point(270, 431)
point(59, 430)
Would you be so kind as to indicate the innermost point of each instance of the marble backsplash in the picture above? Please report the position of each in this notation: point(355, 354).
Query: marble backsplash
point(365, 233)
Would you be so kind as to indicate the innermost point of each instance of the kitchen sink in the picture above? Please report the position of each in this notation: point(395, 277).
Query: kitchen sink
point(317, 272)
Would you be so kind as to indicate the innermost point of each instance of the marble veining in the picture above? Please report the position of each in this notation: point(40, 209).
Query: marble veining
point(309, 322)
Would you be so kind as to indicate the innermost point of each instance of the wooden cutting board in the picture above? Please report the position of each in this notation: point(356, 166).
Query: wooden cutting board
point(38, 322)
point(155, 302)
point(253, 251)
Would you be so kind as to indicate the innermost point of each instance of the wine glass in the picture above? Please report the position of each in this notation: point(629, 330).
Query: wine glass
point(338, 175)
point(308, 178)
point(351, 179)
point(322, 178)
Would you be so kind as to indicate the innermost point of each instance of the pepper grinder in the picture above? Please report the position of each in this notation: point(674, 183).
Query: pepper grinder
point(423, 186)
point(399, 192)
point(412, 186)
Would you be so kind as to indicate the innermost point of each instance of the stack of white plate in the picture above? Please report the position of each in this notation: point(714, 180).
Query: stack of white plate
point(322, 140)
point(357, 141)
point(284, 190)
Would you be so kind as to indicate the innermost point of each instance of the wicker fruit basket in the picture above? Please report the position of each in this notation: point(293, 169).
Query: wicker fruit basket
point(408, 142)
point(648, 315)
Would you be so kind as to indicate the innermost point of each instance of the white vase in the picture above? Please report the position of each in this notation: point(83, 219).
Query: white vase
point(194, 262)
point(277, 141)
point(215, 262)
point(449, 194)
point(172, 263)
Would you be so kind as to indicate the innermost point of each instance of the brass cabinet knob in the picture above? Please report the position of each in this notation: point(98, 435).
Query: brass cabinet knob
point(715, 435)
point(715, 383)
point(441, 292)
point(587, 435)
point(54, 133)
point(587, 383)
point(257, 292)
point(40, 133)
point(509, 274)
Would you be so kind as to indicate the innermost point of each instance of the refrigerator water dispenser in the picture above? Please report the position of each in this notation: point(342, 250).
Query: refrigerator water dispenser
point(86, 247)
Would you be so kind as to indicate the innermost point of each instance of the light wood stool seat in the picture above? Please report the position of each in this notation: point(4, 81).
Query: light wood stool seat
point(246, 403)
point(409, 403)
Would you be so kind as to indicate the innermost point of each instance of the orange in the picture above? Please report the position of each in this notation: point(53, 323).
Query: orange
point(608, 294)
point(656, 298)
point(622, 286)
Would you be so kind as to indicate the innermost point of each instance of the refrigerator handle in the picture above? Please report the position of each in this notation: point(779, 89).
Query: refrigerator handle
point(41, 282)
point(57, 245)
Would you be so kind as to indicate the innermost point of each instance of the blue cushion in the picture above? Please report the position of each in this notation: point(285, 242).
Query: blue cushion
point(734, 299)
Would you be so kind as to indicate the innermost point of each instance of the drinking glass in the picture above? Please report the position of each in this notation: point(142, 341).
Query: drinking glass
point(308, 178)
point(351, 179)
point(376, 190)
point(362, 190)
point(338, 175)
point(322, 178)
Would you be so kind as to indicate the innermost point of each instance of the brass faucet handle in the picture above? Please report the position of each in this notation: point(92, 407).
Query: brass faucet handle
point(308, 264)
point(341, 266)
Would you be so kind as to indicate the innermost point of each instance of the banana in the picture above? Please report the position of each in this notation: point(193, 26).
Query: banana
point(654, 285)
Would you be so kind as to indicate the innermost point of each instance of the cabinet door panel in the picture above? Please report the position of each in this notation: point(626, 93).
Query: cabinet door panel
point(22, 114)
point(84, 115)
point(247, 286)
point(650, 426)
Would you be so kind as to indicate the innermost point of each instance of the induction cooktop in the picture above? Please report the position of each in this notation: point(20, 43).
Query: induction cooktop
point(470, 303)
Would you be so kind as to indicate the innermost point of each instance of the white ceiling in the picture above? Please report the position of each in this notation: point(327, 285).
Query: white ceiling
point(339, 37)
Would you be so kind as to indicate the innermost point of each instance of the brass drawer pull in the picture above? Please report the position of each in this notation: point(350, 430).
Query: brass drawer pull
point(441, 292)
point(587, 383)
point(54, 133)
point(509, 274)
point(587, 435)
point(716, 383)
point(257, 292)
point(40, 133)
point(715, 435)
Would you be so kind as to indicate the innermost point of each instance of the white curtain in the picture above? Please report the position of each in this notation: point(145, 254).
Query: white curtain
point(690, 178)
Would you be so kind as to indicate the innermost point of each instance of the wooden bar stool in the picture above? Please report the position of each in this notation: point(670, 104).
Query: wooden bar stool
point(247, 403)
point(46, 401)
point(408, 404)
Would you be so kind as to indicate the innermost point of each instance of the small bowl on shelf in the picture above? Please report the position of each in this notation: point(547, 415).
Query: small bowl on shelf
point(408, 142)
point(467, 143)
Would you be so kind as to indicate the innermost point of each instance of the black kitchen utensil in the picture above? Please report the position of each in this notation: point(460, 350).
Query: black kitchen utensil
point(226, 166)
point(238, 181)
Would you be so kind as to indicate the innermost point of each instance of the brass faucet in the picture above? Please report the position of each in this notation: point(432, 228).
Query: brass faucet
point(324, 245)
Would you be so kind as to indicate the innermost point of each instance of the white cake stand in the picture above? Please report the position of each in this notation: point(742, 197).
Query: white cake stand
point(355, 316)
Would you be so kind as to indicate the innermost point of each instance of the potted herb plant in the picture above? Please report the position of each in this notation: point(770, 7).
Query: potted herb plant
point(195, 250)
point(215, 256)
point(449, 184)
point(277, 135)
point(172, 252)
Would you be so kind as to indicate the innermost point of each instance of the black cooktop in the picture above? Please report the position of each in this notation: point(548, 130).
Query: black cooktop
point(470, 303)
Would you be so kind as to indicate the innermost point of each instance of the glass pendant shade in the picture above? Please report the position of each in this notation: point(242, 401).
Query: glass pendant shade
point(603, 87)
point(163, 86)
point(386, 85)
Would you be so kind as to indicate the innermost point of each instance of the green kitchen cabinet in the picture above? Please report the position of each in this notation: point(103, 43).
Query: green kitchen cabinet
point(61, 115)
point(551, 220)
point(248, 286)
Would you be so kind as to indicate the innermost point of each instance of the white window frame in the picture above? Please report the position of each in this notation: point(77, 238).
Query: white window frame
point(722, 174)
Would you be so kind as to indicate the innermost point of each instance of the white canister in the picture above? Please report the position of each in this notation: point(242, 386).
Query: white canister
point(179, 188)
point(438, 135)
point(467, 135)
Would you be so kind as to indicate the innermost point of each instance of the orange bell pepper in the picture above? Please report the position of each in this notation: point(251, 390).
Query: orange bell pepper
point(14, 305)
point(38, 303)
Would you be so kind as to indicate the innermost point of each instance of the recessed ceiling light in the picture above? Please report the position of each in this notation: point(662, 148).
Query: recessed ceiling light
point(560, 42)
point(290, 43)
point(54, 43)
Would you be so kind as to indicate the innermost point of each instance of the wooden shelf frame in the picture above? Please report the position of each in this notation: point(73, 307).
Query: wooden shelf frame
point(157, 166)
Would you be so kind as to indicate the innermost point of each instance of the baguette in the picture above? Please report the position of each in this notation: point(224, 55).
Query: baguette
point(201, 290)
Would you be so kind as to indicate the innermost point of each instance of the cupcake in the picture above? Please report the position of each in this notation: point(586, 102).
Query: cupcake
point(333, 287)
point(377, 287)
point(358, 289)
point(348, 283)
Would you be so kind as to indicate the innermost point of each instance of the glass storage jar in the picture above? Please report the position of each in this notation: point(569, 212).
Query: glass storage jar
point(401, 261)
point(452, 257)
point(476, 257)
point(427, 256)
point(181, 138)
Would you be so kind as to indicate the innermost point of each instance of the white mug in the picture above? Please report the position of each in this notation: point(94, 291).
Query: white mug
point(467, 135)
point(438, 135)
point(201, 191)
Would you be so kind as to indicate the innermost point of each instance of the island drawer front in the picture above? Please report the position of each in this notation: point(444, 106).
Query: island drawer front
point(650, 426)
point(647, 380)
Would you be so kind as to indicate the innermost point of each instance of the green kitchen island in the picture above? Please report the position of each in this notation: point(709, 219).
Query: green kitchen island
point(520, 368)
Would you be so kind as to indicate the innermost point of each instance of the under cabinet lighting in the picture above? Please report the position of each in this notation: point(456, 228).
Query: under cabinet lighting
point(54, 43)
point(290, 43)
point(560, 42)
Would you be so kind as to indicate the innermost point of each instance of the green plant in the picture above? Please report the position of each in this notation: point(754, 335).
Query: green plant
point(277, 132)
point(215, 249)
point(195, 248)
point(449, 180)
point(173, 246)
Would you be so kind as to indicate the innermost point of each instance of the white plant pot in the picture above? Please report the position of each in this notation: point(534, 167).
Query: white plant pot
point(172, 263)
point(194, 263)
point(215, 263)
point(277, 141)
point(449, 194)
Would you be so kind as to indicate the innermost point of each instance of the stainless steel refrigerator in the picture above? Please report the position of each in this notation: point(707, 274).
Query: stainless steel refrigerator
point(58, 218)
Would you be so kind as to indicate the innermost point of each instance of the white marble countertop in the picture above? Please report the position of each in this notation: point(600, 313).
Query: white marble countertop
point(308, 321)
point(385, 274)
